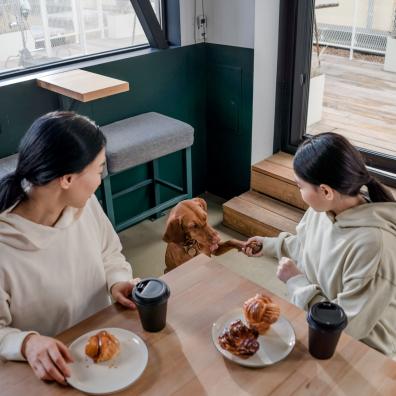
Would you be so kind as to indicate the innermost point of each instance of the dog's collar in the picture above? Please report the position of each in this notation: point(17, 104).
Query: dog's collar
point(191, 247)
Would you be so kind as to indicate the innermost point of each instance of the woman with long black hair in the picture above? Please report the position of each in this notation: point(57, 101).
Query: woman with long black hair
point(60, 256)
point(344, 249)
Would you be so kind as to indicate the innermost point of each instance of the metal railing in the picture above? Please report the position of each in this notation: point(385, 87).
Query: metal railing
point(364, 25)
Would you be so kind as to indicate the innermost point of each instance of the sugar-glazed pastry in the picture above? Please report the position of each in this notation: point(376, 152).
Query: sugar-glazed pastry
point(239, 340)
point(102, 347)
point(260, 312)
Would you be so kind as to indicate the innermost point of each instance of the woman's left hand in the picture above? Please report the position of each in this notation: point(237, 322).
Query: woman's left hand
point(287, 268)
point(121, 292)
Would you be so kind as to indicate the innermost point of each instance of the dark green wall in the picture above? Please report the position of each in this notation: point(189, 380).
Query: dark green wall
point(207, 86)
point(229, 118)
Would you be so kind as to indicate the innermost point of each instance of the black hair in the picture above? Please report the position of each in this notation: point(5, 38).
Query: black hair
point(329, 158)
point(56, 144)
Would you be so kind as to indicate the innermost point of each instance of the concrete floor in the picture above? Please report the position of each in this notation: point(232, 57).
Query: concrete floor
point(145, 250)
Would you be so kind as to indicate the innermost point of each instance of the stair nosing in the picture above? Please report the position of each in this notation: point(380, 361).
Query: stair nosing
point(272, 214)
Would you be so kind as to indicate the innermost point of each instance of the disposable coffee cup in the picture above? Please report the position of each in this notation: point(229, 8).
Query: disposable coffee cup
point(151, 298)
point(326, 321)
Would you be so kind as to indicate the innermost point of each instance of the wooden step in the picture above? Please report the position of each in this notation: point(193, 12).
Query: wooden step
point(275, 177)
point(256, 214)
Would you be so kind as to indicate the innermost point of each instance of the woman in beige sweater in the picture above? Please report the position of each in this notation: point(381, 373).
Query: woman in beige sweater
point(344, 249)
point(60, 257)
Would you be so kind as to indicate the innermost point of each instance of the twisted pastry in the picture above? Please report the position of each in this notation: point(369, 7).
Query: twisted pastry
point(260, 312)
point(239, 340)
point(102, 347)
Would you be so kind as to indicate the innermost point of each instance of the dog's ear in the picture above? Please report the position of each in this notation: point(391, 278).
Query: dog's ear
point(174, 230)
point(202, 203)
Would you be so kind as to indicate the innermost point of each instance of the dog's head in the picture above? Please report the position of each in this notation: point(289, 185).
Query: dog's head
point(189, 220)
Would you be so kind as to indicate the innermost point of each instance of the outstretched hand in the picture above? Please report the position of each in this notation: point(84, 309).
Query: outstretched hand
point(121, 291)
point(253, 247)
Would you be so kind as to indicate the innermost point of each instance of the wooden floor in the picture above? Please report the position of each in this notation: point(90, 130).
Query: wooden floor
point(359, 103)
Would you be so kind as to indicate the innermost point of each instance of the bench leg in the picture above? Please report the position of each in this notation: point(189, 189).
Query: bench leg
point(108, 199)
point(157, 193)
point(188, 168)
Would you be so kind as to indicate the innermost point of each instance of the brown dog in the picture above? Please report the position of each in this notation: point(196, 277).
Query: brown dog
point(189, 234)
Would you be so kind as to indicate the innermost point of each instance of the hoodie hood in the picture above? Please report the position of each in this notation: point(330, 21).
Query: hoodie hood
point(376, 214)
point(23, 234)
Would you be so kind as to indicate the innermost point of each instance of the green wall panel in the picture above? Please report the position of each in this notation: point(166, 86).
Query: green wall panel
point(229, 118)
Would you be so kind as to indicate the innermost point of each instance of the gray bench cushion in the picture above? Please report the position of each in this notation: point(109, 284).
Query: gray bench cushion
point(142, 138)
point(8, 165)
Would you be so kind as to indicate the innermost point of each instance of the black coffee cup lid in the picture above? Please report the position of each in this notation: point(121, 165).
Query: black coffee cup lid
point(327, 315)
point(150, 290)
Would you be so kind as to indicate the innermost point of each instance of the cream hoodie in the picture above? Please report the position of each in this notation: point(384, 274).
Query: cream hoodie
point(53, 277)
point(349, 259)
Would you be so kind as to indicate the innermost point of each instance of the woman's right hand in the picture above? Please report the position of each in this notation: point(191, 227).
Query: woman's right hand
point(48, 357)
point(253, 247)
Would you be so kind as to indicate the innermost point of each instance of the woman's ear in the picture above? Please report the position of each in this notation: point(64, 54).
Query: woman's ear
point(327, 192)
point(66, 181)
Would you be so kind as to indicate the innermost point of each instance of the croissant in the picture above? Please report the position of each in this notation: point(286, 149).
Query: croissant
point(239, 340)
point(260, 312)
point(102, 347)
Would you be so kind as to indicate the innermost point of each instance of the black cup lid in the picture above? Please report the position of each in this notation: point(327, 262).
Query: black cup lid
point(150, 290)
point(327, 315)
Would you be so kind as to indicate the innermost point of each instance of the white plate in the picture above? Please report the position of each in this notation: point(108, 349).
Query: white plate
point(113, 375)
point(275, 345)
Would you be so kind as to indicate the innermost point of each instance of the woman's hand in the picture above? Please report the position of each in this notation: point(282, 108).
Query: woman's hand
point(48, 357)
point(121, 292)
point(287, 268)
point(253, 247)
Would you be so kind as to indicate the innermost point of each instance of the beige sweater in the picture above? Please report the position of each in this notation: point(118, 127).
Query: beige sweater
point(349, 259)
point(53, 277)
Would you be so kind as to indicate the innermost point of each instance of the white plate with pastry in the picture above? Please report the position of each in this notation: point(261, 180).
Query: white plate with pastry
point(273, 346)
point(127, 358)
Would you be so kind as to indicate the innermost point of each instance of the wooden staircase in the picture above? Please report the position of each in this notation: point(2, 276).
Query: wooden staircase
point(274, 203)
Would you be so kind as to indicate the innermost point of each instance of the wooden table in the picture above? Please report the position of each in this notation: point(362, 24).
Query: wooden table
point(82, 85)
point(184, 361)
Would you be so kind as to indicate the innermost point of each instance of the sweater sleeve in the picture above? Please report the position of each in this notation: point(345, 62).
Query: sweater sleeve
point(364, 295)
point(11, 339)
point(117, 269)
point(286, 244)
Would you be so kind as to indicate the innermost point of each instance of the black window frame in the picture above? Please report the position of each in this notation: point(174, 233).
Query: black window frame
point(158, 39)
point(296, 19)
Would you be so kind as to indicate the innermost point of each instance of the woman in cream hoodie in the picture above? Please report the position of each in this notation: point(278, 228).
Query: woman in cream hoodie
point(344, 249)
point(60, 256)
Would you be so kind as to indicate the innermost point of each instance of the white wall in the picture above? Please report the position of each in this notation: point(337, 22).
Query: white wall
point(265, 69)
point(230, 22)
point(187, 21)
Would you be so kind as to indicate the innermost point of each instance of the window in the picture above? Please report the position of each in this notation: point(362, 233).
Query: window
point(332, 77)
point(39, 32)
